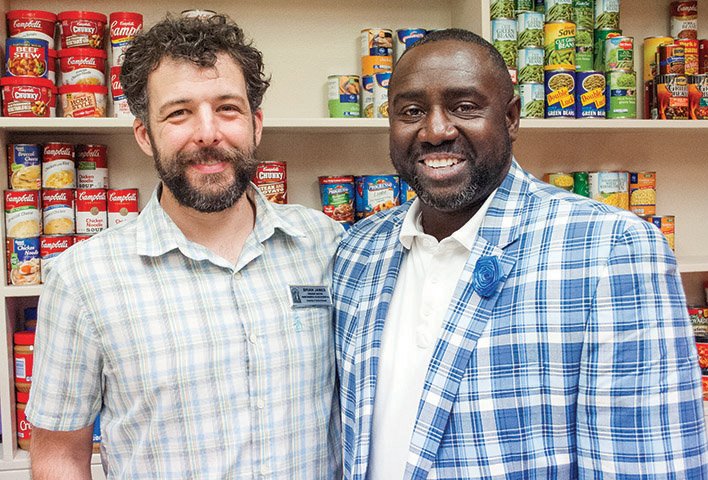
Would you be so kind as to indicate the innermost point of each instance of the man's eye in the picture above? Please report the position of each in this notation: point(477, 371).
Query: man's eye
point(412, 112)
point(176, 113)
point(465, 108)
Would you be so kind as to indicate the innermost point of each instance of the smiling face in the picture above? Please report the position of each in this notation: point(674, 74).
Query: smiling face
point(452, 122)
point(202, 133)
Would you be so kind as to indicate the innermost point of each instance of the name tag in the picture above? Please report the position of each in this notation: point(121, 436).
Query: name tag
point(302, 296)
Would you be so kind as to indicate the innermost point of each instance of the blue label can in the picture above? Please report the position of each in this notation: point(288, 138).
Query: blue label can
point(590, 99)
point(406, 37)
point(407, 193)
point(24, 166)
point(23, 261)
point(375, 193)
point(560, 93)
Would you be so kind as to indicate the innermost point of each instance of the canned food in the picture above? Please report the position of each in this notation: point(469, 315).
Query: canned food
point(82, 66)
point(367, 96)
point(523, 5)
point(123, 205)
point(52, 56)
point(123, 27)
point(501, 9)
point(376, 193)
point(371, 64)
point(24, 166)
point(381, 94)
point(672, 59)
point(584, 14)
point(690, 53)
point(58, 165)
point(530, 65)
point(642, 193)
point(559, 10)
point(672, 97)
point(621, 94)
point(50, 246)
point(31, 24)
point(343, 96)
point(91, 166)
point(22, 213)
point(560, 180)
point(611, 188)
point(407, 192)
point(584, 48)
point(581, 184)
point(601, 37)
point(590, 99)
point(684, 19)
point(83, 100)
point(23, 261)
point(619, 53)
point(120, 101)
point(376, 41)
point(24, 428)
point(337, 194)
point(58, 211)
point(405, 38)
point(504, 39)
point(26, 97)
point(560, 94)
point(26, 57)
point(78, 29)
point(559, 45)
point(82, 237)
point(530, 30)
point(651, 109)
point(699, 321)
point(702, 56)
point(607, 13)
point(666, 224)
point(271, 178)
point(532, 100)
point(91, 210)
point(698, 97)
point(651, 45)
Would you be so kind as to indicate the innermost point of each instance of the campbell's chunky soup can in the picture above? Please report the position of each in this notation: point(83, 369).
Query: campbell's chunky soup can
point(31, 24)
point(272, 180)
point(81, 29)
point(26, 96)
point(122, 205)
point(82, 66)
point(58, 211)
point(83, 100)
point(91, 165)
point(58, 165)
point(22, 213)
point(24, 166)
point(23, 261)
point(50, 246)
point(26, 57)
point(91, 210)
point(123, 27)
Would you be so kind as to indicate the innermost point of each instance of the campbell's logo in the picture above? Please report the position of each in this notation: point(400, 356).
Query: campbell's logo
point(26, 93)
point(116, 87)
point(19, 198)
point(82, 61)
point(91, 153)
point(92, 196)
point(58, 152)
point(55, 197)
point(83, 28)
point(123, 197)
point(686, 9)
point(28, 24)
point(125, 28)
point(55, 244)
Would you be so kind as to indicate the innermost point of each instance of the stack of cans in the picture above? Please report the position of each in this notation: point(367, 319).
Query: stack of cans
point(123, 28)
point(376, 67)
point(530, 61)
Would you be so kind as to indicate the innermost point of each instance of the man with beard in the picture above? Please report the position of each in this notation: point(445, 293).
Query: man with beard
point(498, 327)
point(179, 327)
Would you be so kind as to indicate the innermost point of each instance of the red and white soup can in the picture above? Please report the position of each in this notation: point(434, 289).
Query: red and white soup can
point(92, 165)
point(122, 205)
point(58, 211)
point(91, 210)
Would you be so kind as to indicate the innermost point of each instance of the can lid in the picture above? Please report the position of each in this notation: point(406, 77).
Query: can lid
point(24, 338)
point(82, 52)
point(82, 15)
point(122, 15)
point(40, 14)
point(83, 88)
point(32, 81)
point(22, 397)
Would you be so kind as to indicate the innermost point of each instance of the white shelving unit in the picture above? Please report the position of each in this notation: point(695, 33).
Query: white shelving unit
point(305, 41)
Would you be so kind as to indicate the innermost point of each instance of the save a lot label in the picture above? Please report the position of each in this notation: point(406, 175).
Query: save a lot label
point(562, 96)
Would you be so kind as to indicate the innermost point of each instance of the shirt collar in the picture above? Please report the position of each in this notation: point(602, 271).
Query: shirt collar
point(465, 236)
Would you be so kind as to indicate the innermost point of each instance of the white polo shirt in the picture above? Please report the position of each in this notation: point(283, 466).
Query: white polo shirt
point(424, 288)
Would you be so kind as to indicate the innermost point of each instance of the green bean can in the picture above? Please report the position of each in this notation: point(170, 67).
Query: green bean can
point(530, 65)
point(581, 184)
point(607, 14)
point(501, 9)
point(559, 45)
point(584, 14)
point(532, 100)
point(621, 94)
point(559, 10)
point(601, 35)
point(504, 39)
point(619, 53)
point(584, 47)
point(524, 6)
point(530, 29)
point(560, 93)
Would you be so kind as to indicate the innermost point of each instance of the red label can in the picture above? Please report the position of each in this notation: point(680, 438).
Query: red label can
point(31, 24)
point(26, 57)
point(26, 96)
point(23, 263)
point(24, 428)
point(58, 211)
point(91, 210)
point(124, 26)
point(702, 355)
point(92, 166)
point(58, 167)
point(690, 49)
point(684, 19)
point(82, 29)
point(82, 66)
point(702, 56)
point(82, 237)
point(120, 101)
point(122, 205)
point(50, 246)
point(22, 213)
point(271, 179)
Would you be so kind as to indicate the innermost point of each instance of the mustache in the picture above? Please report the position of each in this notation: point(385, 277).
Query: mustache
point(205, 154)
point(450, 148)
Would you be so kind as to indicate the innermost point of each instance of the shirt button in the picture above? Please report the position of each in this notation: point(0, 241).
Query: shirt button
point(253, 338)
point(260, 404)
point(238, 275)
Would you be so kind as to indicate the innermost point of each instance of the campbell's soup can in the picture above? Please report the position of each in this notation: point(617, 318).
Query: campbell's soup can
point(31, 24)
point(123, 27)
point(91, 210)
point(376, 193)
point(684, 19)
point(405, 37)
point(672, 97)
point(91, 165)
point(272, 180)
point(26, 97)
point(23, 265)
point(82, 237)
point(119, 99)
point(82, 66)
point(590, 99)
point(337, 195)
point(667, 225)
point(560, 93)
point(651, 45)
point(699, 321)
point(58, 165)
point(24, 166)
point(58, 211)
point(642, 193)
point(26, 57)
point(122, 205)
point(79, 29)
point(23, 218)
point(698, 97)
point(50, 246)
point(377, 42)
point(381, 95)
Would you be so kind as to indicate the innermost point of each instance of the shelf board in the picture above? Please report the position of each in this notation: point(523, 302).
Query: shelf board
point(28, 291)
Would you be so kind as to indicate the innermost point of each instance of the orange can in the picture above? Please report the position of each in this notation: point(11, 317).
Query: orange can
point(666, 224)
point(690, 53)
point(642, 193)
point(698, 97)
point(371, 64)
point(672, 97)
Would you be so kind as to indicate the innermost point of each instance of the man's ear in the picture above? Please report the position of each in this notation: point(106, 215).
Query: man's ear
point(140, 130)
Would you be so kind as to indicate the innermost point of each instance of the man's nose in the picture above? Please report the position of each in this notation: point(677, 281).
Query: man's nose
point(438, 128)
point(206, 130)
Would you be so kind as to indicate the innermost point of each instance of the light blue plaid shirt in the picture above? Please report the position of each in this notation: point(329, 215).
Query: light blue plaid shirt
point(573, 359)
point(200, 369)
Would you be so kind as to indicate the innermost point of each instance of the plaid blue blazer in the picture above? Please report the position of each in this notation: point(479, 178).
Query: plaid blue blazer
point(578, 362)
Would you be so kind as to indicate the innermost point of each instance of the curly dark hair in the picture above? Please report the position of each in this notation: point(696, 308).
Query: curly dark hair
point(194, 39)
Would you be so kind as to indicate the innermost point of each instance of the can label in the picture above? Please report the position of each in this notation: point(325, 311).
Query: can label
point(123, 28)
point(501, 9)
point(377, 41)
point(622, 94)
point(271, 179)
point(590, 95)
point(337, 194)
point(698, 97)
point(530, 65)
point(581, 184)
point(699, 321)
point(560, 180)
point(584, 50)
point(690, 53)
point(91, 210)
point(559, 46)
point(684, 19)
point(607, 14)
point(601, 35)
point(120, 101)
point(367, 96)
point(58, 166)
point(22, 213)
point(530, 30)
point(407, 192)
point(343, 97)
point(79, 32)
point(91, 166)
point(619, 53)
point(532, 100)
point(26, 100)
point(23, 261)
point(672, 97)
point(50, 246)
point(406, 37)
point(610, 188)
point(371, 64)
point(504, 39)
point(666, 224)
point(651, 45)
point(376, 193)
point(559, 10)
point(560, 94)
point(122, 205)
point(381, 94)
point(24, 166)
point(642, 193)
point(584, 14)
point(672, 59)
point(26, 57)
point(58, 211)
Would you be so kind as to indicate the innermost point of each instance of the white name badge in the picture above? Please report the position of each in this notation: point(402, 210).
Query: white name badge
point(302, 296)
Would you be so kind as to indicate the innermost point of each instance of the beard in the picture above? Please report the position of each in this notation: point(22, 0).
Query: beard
point(217, 191)
point(481, 180)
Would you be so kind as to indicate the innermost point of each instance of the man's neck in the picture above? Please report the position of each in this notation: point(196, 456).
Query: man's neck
point(224, 232)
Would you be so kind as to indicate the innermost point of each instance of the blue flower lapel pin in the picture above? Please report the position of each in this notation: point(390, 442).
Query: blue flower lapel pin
point(486, 276)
